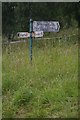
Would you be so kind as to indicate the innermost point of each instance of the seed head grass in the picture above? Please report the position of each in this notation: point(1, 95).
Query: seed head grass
point(48, 87)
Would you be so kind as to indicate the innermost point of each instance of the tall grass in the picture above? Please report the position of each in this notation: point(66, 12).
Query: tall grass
point(48, 87)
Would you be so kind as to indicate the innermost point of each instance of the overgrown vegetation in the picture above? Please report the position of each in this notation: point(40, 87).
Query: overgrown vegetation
point(48, 87)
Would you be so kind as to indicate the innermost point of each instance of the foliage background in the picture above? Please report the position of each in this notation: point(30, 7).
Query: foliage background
point(16, 14)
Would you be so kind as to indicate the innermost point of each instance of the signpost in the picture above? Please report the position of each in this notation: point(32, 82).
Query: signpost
point(36, 29)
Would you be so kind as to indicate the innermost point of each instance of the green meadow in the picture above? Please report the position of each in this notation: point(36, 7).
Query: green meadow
point(47, 88)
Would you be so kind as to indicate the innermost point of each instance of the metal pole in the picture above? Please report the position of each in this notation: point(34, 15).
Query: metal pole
point(31, 29)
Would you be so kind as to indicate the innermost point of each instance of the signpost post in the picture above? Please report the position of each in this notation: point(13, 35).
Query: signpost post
point(31, 29)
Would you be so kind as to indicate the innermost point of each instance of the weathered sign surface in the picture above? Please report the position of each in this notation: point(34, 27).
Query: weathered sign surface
point(38, 34)
point(23, 34)
point(46, 26)
point(27, 35)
